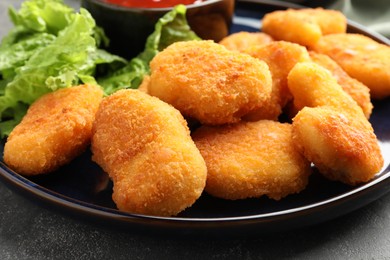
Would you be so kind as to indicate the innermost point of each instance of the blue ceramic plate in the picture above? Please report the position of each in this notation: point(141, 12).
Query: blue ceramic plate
point(83, 190)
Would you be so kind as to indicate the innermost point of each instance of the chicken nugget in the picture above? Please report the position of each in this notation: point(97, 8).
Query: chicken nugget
point(312, 85)
point(207, 82)
point(362, 58)
point(331, 130)
point(251, 159)
point(303, 26)
point(357, 90)
point(342, 147)
point(56, 129)
point(330, 21)
point(243, 40)
point(280, 57)
point(145, 146)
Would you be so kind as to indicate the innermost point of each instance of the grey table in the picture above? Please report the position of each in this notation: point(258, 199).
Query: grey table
point(30, 231)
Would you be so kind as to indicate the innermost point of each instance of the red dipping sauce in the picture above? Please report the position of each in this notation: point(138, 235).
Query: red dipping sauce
point(152, 3)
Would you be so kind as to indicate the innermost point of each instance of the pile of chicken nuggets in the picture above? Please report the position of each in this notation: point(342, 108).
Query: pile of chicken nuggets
point(267, 106)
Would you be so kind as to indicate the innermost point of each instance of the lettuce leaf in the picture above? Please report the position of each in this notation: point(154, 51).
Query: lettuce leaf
point(51, 47)
point(170, 28)
point(16, 54)
point(43, 16)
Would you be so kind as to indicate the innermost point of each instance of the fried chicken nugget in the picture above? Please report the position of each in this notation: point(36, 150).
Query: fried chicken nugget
point(303, 26)
point(56, 129)
point(362, 58)
point(207, 82)
point(145, 146)
point(251, 159)
point(331, 130)
point(243, 40)
point(357, 90)
point(280, 57)
point(312, 86)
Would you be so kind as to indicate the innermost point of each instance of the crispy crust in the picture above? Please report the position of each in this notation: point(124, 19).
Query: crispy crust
point(56, 129)
point(303, 26)
point(331, 130)
point(145, 147)
point(362, 58)
point(357, 90)
point(251, 159)
point(207, 82)
point(280, 57)
point(241, 41)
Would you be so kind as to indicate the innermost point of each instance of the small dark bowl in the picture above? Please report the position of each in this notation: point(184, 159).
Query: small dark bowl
point(128, 27)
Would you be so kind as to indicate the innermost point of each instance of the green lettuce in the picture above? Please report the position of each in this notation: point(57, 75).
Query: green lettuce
point(51, 47)
point(170, 28)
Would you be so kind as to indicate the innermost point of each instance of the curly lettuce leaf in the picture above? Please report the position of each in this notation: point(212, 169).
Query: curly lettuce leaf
point(170, 28)
point(39, 16)
point(51, 47)
point(16, 54)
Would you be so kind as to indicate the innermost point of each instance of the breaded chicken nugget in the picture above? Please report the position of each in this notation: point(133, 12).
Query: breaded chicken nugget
point(251, 159)
point(342, 147)
point(331, 130)
point(312, 86)
point(362, 58)
point(330, 21)
point(56, 129)
point(144, 145)
point(357, 90)
point(280, 57)
point(243, 40)
point(303, 26)
point(207, 82)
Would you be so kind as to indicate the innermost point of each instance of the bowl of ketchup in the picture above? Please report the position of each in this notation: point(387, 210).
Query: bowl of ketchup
point(128, 23)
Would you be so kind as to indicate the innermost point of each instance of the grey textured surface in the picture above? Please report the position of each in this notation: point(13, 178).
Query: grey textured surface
point(30, 231)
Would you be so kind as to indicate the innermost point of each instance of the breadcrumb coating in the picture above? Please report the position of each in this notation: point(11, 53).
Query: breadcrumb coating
point(362, 58)
point(280, 57)
point(56, 129)
point(251, 159)
point(303, 26)
point(357, 90)
point(241, 41)
point(331, 130)
point(205, 81)
point(145, 146)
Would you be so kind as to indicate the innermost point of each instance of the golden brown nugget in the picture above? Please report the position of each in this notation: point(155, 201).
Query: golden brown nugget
point(314, 86)
point(331, 130)
point(303, 26)
point(144, 145)
point(241, 41)
point(280, 57)
point(207, 82)
point(357, 90)
point(330, 21)
point(56, 129)
point(362, 58)
point(251, 159)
